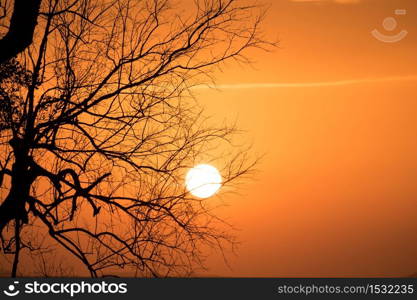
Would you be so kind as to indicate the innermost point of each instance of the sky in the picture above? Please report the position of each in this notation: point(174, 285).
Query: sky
point(332, 113)
point(333, 109)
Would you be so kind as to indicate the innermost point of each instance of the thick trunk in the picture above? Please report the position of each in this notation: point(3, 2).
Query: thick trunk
point(22, 27)
point(13, 207)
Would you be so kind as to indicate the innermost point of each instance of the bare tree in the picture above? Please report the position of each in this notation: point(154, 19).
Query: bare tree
point(98, 128)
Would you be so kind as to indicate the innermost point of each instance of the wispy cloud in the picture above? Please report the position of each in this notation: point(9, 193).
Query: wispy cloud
point(333, 1)
point(310, 84)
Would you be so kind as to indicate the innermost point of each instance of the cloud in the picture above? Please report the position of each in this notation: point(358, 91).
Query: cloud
point(328, 1)
point(310, 84)
point(347, 1)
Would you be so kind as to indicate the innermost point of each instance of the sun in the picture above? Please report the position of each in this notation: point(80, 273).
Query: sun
point(203, 181)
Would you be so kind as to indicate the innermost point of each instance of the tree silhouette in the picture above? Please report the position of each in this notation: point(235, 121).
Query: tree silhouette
point(98, 128)
point(21, 26)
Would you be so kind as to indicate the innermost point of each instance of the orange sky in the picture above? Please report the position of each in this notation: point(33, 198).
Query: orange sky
point(336, 194)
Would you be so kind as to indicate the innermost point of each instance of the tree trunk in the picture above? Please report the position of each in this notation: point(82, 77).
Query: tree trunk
point(21, 29)
point(13, 207)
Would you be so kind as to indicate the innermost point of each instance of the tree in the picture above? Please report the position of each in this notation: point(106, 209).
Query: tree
point(98, 128)
point(21, 27)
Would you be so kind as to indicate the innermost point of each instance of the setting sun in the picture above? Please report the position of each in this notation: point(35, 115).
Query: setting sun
point(203, 181)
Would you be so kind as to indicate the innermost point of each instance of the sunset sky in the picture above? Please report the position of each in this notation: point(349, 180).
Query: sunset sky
point(334, 111)
point(331, 113)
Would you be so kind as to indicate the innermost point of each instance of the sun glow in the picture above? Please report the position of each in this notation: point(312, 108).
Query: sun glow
point(203, 181)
